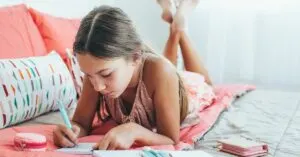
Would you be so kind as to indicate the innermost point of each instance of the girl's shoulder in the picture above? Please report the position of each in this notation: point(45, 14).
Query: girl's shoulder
point(156, 68)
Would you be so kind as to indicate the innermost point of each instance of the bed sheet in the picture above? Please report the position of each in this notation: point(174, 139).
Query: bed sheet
point(270, 116)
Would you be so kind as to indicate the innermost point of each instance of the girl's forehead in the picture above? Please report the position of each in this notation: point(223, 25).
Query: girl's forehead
point(88, 63)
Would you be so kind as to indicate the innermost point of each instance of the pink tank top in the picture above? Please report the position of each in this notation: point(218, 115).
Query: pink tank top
point(142, 111)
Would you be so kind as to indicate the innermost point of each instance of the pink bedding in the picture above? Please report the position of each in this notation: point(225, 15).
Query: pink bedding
point(225, 95)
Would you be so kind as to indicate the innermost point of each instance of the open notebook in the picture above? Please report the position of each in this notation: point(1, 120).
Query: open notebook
point(80, 149)
point(86, 149)
point(138, 153)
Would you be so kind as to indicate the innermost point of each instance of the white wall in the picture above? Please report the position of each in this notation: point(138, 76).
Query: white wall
point(249, 41)
point(254, 41)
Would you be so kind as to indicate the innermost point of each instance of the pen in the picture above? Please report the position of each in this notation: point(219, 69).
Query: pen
point(64, 115)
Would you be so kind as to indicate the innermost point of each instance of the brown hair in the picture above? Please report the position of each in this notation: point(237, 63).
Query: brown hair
point(107, 32)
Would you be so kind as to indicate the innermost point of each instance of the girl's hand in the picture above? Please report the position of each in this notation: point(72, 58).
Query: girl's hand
point(65, 137)
point(120, 137)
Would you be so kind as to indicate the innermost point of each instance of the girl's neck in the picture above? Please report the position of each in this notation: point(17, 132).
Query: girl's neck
point(136, 76)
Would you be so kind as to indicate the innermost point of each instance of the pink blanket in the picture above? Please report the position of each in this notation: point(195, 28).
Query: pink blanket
point(188, 136)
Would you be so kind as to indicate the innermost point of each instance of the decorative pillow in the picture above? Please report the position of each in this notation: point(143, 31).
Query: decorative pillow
point(58, 33)
point(32, 86)
point(76, 73)
point(19, 36)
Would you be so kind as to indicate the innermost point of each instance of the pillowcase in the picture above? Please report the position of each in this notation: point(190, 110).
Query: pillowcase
point(19, 36)
point(32, 86)
point(58, 33)
point(76, 73)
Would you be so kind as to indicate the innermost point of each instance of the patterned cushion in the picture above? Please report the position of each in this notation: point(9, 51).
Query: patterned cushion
point(74, 68)
point(32, 86)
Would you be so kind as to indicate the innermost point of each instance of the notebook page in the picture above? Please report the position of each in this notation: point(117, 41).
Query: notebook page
point(80, 149)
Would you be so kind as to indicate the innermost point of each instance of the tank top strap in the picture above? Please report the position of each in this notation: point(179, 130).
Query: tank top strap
point(141, 70)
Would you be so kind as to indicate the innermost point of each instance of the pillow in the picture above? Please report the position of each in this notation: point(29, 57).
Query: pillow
point(32, 86)
point(76, 73)
point(19, 36)
point(58, 33)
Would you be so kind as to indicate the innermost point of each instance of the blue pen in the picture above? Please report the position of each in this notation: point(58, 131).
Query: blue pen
point(64, 115)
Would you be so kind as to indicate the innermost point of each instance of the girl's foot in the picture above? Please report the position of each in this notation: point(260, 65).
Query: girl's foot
point(184, 8)
point(168, 9)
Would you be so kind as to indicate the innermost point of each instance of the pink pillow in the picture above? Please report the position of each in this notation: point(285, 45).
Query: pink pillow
point(58, 33)
point(19, 36)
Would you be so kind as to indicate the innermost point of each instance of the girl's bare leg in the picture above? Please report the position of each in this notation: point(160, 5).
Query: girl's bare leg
point(178, 37)
point(171, 47)
point(191, 59)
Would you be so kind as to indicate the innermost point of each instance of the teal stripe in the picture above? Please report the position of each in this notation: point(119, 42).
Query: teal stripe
point(16, 103)
point(15, 119)
point(47, 95)
point(31, 61)
point(18, 87)
point(27, 98)
point(41, 85)
point(32, 85)
point(40, 108)
point(23, 101)
point(14, 75)
point(11, 119)
point(32, 71)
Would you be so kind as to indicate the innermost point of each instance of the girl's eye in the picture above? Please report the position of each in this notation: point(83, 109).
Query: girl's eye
point(107, 75)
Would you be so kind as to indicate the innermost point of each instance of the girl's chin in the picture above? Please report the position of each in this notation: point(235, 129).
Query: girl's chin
point(113, 95)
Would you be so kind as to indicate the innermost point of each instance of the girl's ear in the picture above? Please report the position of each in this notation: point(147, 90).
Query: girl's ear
point(136, 57)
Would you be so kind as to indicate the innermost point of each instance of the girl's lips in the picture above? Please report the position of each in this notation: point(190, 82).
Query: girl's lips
point(108, 94)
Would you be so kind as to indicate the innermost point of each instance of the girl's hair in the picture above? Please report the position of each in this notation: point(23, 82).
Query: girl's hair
point(107, 32)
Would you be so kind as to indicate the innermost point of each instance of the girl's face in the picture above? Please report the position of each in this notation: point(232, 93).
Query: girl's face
point(109, 77)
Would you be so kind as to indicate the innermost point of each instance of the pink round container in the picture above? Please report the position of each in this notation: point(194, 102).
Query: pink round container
point(30, 142)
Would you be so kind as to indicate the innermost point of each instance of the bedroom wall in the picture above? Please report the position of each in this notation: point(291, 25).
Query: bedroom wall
point(252, 41)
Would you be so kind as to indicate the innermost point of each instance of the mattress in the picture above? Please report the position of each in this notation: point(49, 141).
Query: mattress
point(268, 116)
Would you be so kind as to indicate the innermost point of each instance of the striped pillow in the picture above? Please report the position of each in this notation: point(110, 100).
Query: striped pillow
point(32, 86)
point(77, 74)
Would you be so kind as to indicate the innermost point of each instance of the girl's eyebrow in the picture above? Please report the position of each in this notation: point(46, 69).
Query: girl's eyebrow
point(97, 72)
point(102, 70)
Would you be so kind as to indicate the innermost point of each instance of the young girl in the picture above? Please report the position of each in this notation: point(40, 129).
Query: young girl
point(140, 90)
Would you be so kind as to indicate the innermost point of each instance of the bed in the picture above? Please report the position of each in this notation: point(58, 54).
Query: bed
point(271, 116)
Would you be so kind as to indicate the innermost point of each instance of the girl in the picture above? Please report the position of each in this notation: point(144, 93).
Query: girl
point(139, 89)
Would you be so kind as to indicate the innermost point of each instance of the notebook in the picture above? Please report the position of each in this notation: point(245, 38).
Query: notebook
point(243, 147)
point(139, 153)
point(87, 149)
point(80, 149)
